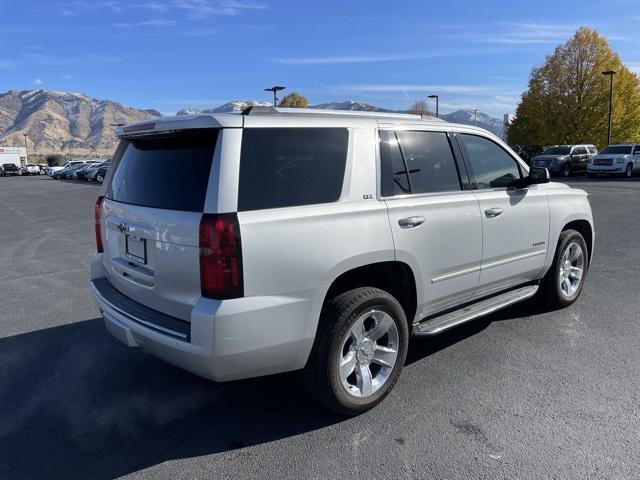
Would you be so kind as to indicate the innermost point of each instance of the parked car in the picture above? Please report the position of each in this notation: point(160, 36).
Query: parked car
point(10, 169)
point(90, 172)
point(101, 172)
point(30, 169)
point(57, 168)
point(62, 174)
point(565, 159)
point(77, 173)
point(236, 246)
point(620, 159)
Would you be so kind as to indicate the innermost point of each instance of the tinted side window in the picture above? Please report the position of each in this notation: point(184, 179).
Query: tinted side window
point(395, 179)
point(286, 167)
point(430, 162)
point(580, 151)
point(492, 167)
point(169, 171)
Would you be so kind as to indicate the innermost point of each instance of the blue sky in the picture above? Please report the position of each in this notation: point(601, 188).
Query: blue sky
point(170, 54)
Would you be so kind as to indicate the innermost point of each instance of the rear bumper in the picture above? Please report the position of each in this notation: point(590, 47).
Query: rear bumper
point(225, 340)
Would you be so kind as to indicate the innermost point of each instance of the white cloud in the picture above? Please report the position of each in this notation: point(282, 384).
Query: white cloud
point(147, 23)
point(66, 76)
point(387, 87)
point(390, 57)
point(37, 81)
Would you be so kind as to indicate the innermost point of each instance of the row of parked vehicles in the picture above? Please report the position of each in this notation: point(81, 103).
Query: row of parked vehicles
point(89, 170)
point(565, 160)
point(11, 169)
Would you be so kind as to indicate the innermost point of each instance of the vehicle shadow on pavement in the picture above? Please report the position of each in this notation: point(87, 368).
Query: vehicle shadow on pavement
point(422, 347)
point(74, 403)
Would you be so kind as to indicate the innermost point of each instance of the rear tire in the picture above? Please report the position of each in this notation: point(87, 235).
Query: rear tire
point(563, 283)
point(566, 170)
point(359, 352)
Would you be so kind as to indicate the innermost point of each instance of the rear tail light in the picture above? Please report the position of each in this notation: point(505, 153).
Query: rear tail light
point(98, 212)
point(220, 256)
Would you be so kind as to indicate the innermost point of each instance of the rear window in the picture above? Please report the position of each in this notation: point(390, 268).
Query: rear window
point(286, 167)
point(169, 172)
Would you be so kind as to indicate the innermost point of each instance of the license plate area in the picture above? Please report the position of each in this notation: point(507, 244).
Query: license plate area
point(136, 249)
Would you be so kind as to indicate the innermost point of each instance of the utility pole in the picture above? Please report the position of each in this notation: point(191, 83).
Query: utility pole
point(437, 101)
point(275, 90)
point(610, 73)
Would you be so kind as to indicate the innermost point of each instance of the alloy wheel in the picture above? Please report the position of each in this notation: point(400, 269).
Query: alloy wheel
point(369, 353)
point(571, 269)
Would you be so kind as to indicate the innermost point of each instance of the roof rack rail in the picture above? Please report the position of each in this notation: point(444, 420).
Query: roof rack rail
point(269, 110)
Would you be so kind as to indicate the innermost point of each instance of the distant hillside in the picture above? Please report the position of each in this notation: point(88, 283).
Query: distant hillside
point(482, 120)
point(58, 121)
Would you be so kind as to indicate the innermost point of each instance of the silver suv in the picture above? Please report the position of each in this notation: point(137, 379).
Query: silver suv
point(240, 245)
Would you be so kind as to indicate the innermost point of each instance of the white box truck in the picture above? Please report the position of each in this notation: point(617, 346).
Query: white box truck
point(12, 156)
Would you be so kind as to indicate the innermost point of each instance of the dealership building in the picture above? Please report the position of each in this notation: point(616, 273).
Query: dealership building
point(16, 155)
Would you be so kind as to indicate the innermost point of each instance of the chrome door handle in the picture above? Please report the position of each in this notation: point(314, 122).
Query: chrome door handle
point(410, 222)
point(493, 212)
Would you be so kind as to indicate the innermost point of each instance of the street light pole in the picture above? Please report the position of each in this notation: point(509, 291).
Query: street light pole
point(610, 73)
point(274, 89)
point(26, 147)
point(437, 101)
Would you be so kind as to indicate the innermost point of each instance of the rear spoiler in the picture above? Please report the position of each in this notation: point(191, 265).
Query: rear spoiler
point(179, 122)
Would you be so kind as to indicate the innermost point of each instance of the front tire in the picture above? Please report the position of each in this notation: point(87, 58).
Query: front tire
point(563, 282)
point(566, 170)
point(360, 350)
point(628, 173)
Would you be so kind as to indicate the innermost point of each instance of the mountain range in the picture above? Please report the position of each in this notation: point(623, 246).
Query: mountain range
point(64, 122)
point(464, 116)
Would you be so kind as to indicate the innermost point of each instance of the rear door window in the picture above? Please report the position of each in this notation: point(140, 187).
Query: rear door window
point(287, 167)
point(417, 162)
point(167, 171)
point(395, 178)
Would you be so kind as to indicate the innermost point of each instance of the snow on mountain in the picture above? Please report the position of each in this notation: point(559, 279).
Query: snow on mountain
point(351, 106)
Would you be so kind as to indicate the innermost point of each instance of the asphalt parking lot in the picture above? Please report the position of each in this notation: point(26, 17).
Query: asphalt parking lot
point(525, 393)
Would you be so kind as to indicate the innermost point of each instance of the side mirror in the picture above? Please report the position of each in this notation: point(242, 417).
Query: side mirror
point(538, 175)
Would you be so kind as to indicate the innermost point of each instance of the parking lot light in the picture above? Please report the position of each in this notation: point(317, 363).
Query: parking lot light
point(275, 89)
point(437, 101)
point(610, 73)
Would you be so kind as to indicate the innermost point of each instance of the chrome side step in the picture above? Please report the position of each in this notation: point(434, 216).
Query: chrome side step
point(439, 324)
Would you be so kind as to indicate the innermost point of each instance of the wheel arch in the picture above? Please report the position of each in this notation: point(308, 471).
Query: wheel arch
point(584, 228)
point(394, 277)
